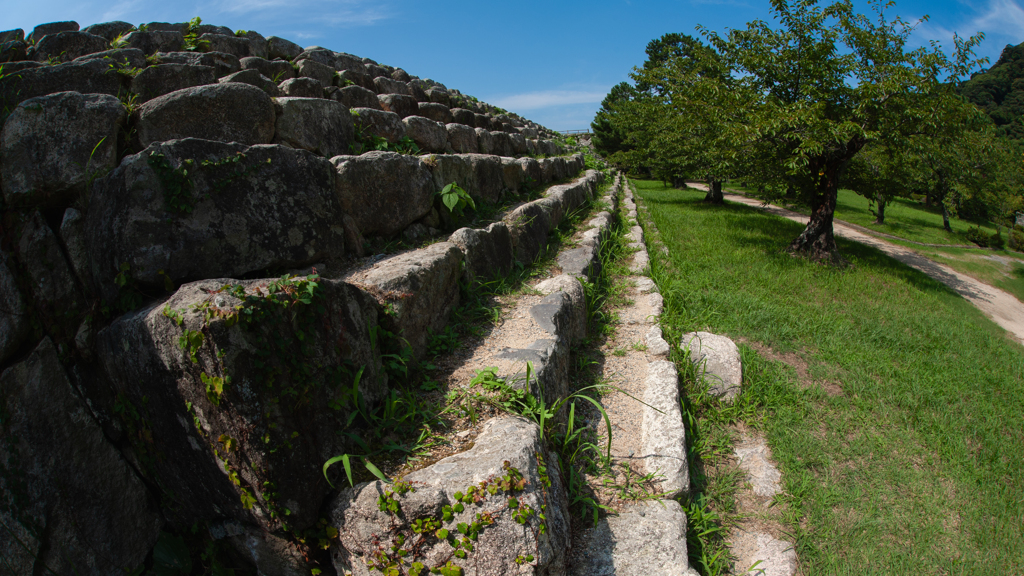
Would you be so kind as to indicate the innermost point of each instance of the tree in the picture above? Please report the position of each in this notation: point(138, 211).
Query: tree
point(609, 140)
point(817, 89)
point(879, 173)
point(999, 91)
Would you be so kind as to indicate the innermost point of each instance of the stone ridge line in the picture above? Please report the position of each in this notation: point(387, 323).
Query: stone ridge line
point(1000, 306)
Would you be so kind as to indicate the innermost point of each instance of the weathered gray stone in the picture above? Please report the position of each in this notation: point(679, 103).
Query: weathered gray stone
point(501, 144)
point(645, 285)
point(14, 320)
point(401, 75)
point(318, 55)
point(485, 142)
point(383, 191)
point(13, 51)
point(66, 46)
point(583, 261)
point(357, 97)
point(357, 78)
point(281, 420)
point(52, 147)
point(257, 44)
point(121, 58)
point(482, 121)
point(343, 61)
point(641, 262)
point(518, 144)
point(30, 82)
point(17, 35)
point(663, 436)
point(153, 42)
point(163, 79)
point(643, 539)
point(354, 241)
point(754, 457)
point(440, 96)
point(302, 88)
point(320, 72)
point(319, 125)
point(371, 122)
point(228, 44)
point(180, 27)
point(386, 85)
point(437, 112)
point(109, 30)
point(559, 315)
point(489, 177)
point(374, 70)
point(421, 285)
point(42, 30)
point(222, 64)
point(487, 251)
point(276, 70)
point(204, 29)
point(656, 344)
point(762, 554)
point(84, 509)
point(718, 360)
point(399, 104)
point(72, 235)
point(429, 135)
point(254, 78)
point(271, 555)
point(576, 329)
point(512, 174)
point(529, 225)
point(509, 441)
point(274, 208)
point(231, 112)
point(281, 48)
point(463, 116)
point(462, 138)
point(549, 358)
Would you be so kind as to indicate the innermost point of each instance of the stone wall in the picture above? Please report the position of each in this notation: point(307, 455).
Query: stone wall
point(192, 285)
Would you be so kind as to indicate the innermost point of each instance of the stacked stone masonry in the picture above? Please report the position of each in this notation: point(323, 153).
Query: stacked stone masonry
point(154, 190)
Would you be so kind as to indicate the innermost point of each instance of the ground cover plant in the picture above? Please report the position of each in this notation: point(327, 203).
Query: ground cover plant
point(899, 444)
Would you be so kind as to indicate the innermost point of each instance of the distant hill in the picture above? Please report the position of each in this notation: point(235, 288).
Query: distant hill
point(999, 91)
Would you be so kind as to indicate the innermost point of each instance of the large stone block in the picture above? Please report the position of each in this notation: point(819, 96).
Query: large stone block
point(462, 138)
point(373, 122)
point(343, 61)
point(485, 142)
point(437, 112)
point(422, 286)
point(222, 64)
point(55, 294)
point(14, 320)
point(319, 125)
point(92, 77)
point(501, 144)
point(463, 116)
point(357, 77)
point(156, 41)
point(386, 85)
point(238, 210)
point(119, 58)
point(52, 147)
point(254, 78)
point(529, 225)
point(246, 412)
point(257, 44)
point(281, 48)
point(238, 47)
point(383, 191)
point(489, 177)
point(109, 30)
point(487, 251)
point(429, 135)
point(231, 112)
point(65, 46)
point(319, 55)
point(13, 51)
point(276, 70)
point(302, 88)
point(42, 30)
point(357, 97)
point(504, 443)
point(575, 329)
point(75, 504)
point(322, 73)
point(717, 360)
point(399, 104)
point(663, 436)
point(163, 79)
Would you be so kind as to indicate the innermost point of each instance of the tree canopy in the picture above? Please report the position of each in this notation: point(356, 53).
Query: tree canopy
point(999, 91)
point(788, 106)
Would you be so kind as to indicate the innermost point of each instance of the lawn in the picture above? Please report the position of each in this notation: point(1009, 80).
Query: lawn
point(902, 452)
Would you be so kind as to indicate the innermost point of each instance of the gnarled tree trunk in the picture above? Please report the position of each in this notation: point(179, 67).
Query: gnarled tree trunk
point(714, 195)
point(880, 217)
point(818, 241)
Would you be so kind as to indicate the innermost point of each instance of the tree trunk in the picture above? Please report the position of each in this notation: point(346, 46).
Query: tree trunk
point(818, 241)
point(880, 218)
point(714, 195)
point(945, 218)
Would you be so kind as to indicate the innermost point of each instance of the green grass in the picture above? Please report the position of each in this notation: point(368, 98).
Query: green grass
point(904, 218)
point(916, 466)
point(1000, 268)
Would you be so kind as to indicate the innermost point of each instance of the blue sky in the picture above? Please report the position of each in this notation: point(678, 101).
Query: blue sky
point(550, 61)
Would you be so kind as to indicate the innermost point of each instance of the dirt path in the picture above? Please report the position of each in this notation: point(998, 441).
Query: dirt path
point(998, 305)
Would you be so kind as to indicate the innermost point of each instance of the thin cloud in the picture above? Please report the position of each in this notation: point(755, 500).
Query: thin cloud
point(548, 98)
point(338, 13)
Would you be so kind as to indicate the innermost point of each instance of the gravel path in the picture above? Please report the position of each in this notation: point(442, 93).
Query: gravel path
point(998, 305)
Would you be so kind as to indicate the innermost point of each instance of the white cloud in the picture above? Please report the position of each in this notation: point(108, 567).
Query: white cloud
point(1002, 17)
point(548, 98)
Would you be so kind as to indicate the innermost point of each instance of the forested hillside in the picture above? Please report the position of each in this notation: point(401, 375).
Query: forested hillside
point(999, 91)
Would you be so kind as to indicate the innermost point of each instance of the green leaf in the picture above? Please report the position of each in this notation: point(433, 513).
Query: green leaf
point(374, 470)
point(344, 459)
point(450, 201)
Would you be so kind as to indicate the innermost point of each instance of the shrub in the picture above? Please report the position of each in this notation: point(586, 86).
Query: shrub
point(996, 240)
point(1017, 239)
point(976, 235)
